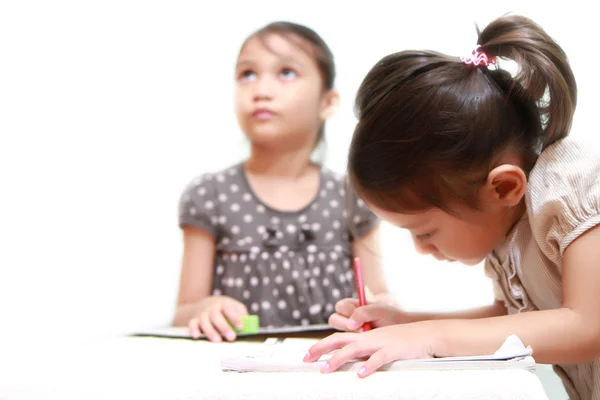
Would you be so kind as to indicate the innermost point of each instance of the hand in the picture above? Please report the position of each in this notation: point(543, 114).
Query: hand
point(380, 346)
point(213, 315)
point(350, 317)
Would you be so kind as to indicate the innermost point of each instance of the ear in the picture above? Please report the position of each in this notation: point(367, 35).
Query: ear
point(329, 104)
point(505, 185)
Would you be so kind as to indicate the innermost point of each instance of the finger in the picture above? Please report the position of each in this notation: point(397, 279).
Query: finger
point(369, 295)
point(377, 359)
point(368, 313)
point(222, 326)
point(346, 306)
point(194, 327)
point(209, 330)
point(330, 343)
point(338, 322)
point(351, 351)
point(233, 311)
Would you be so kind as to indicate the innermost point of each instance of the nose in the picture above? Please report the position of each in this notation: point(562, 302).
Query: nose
point(424, 248)
point(263, 89)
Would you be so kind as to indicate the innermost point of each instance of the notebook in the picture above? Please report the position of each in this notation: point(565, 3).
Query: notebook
point(180, 332)
point(286, 355)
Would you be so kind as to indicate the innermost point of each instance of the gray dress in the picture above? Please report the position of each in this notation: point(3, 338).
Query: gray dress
point(289, 268)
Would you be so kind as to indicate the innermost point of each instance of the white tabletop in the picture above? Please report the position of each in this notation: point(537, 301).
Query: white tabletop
point(155, 368)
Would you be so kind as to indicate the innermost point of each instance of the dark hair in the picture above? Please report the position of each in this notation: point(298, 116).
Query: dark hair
point(431, 127)
point(317, 48)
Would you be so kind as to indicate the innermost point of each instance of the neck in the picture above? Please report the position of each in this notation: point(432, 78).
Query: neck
point(514, 216)
point(277, 163)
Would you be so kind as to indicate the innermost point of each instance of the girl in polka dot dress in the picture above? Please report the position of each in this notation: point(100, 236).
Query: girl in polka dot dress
point(271, 236)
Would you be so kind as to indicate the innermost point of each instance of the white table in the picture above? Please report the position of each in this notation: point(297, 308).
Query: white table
point(153, 368)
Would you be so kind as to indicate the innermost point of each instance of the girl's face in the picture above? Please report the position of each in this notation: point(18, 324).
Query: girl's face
point(468, 239)
point(280, 100)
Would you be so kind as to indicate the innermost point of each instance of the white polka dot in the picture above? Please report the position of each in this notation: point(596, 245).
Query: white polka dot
point(247, 218)
point(356, 219)
point(234, 188)
point(254, 281)
point(201, 191)
point(334, 256)
point(225, 257)
point(260, 208)
point(252, 256)
point(312, 283)
point(296, 314)
point(220, 178)
point(254, 307)
point(323, 193)
point(234, 257)
point(235, 207)
point(334, 203)
point(342, 278)
point(286, 264)
point(326, 213)
point(266, 280)
point(336, 293)
point(214, 220)
point(255, 249)
point(241, 242)
point(315, 309)
point(277, 255)
point(186, 198)
point(217, 292)
point(239, 282)
point(192, 210)
point(275, 220)
point(349, 275)
point(232, 171)
point(329, 236)
point(338, 248)
point(295, 274)
point(311, 258)
point(279, 279)
point(336, 224)
point(197, 181)
point(330, 269)
point(316, 226)
point(311, 248)
point(290, 290)
point(247, 197)
point(300, 260)
point(342, 192)
point(279, 235)
point(326, 282)
point(291, 254)
point(328, 308)
point(302, 219)
point(314, 206)
point(360, 203)
point(220, 269)
point(266, 305)
point(322, 257)
point(301, 299)
point(261, 229)
point(246, 294)
point(316, 271)
point(265, 255)
point(275, 292)
point(249, 239)
point(273, 267)
point(306, 274)
point(283, 249)
point(247, 269)
point(291, 228)
point(281, 304)
point(235, 229)
point(305, 322)
point(222, 219)
point(330, 185)
point(243, 258)
point(346, 263)
point(222, 198)
point(209, 205)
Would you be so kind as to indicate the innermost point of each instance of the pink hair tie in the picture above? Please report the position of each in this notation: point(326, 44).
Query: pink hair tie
point(477, 58)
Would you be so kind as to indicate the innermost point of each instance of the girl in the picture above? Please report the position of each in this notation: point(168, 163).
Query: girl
point(477, 164)
point(269, 236)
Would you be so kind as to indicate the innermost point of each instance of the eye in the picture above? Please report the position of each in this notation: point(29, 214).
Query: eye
point(288, 73)
point(424, 236)
point(247, 75)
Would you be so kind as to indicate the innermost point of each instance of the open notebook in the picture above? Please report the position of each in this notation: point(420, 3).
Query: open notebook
point(179, 332)
point(286, 355)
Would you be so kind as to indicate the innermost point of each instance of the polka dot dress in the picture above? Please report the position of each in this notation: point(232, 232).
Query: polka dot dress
point(290, 268)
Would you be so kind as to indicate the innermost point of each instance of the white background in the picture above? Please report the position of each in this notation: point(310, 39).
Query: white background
point(109, 108)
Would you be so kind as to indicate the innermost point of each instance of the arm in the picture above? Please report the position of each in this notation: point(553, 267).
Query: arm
point(196, 273)
point(567, 335)
point(367, 248)
point(494, 310)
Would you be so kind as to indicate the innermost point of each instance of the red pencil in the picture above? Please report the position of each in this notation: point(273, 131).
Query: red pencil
point(360, 289)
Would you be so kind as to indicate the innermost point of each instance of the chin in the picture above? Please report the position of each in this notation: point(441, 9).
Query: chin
point(472, 262)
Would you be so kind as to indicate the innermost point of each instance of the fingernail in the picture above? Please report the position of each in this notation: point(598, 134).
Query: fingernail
point(216, 338)
point(325, 368)
point(307, 357)
point(239, 325)
point(352, 324)
point(362, 371)
point(230, 335)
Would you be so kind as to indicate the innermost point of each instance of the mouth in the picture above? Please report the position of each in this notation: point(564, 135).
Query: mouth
point(263, 114)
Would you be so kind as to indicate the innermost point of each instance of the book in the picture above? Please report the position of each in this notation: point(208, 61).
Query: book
point(181, 332)
point(287, 354)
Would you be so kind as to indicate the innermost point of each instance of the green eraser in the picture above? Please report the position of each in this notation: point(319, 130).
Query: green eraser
point(251, 324)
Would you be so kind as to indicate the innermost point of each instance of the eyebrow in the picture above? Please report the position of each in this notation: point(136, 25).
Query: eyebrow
point(284, 60)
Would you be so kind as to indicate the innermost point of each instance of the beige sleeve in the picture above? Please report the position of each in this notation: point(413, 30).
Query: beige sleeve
point(491, 273)
point(563, 197)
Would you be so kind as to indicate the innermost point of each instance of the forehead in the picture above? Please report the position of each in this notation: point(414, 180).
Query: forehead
point(408, 221)
point(277, 47)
